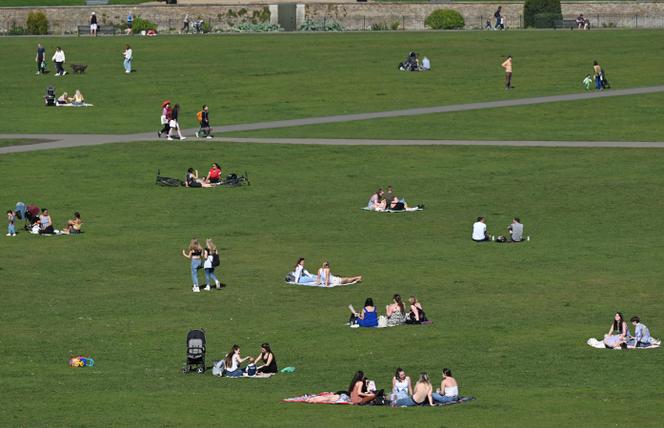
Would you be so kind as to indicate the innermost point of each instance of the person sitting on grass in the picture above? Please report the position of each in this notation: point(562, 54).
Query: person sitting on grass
point(204, 130)
point(77, 99)
point(416, 314)
point(449, 389)
point(619, 327)
point(397, 204)
point(642, 337)
point(45, 223)
point(377, 202)
point(515, 230)
point(301, 275)
point(479, 230)
point(63, 99)
point(192, 180)
point(326, 278)
point(401, 385)
point(368, 317)
point(214, 175)
point(268, 359)
point(74, 225)
point(421, 396)
point(233, 361)
point(358, 391)
point(396, 312)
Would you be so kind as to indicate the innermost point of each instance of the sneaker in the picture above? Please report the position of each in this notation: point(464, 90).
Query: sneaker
point(195, 289)
point(9, 234)
point(207, 287)
point(158, 134)
point(57, 74)
point(64, 72)
point(183, 138)
point(13, 234)
point(39, 72)
point(218, 284)
point(196, 134)
point(209, 136)
point(170, 138)
point(127, 71)
point(527, 238)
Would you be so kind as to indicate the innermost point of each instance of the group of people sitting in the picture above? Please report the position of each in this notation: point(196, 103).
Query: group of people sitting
point(619, 336)
point(264, 363)
point(50, 100)
point(395, 314)
point(412, 63)
point(213, 178)
point(39, 222)
point(323, 277)
point(363, 391)
point(515, 231)
point(582, 23)
point(387, 200)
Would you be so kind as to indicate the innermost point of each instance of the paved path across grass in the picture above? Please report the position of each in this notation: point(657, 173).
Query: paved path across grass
point(58, 141)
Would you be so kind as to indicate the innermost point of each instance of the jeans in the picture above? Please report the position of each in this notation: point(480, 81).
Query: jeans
point(598, 82)
point(210, 276)
point(406, 401)
point(127, 65)
point(195, 263)
point(11, 229)
point(234, 373)
point(437, 398)
point(59, 68)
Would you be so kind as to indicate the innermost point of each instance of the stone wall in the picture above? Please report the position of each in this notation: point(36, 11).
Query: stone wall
point(353, 16)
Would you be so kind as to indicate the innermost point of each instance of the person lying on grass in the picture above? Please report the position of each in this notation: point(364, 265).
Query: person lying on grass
point(396, 311)
point(359, 391)
point(449, 389)
point(422, 394)
point(74, 225)
point(268, 359)
point(233, 361)
point(328, 398)
point(397, 204)
point(192, 180)
point(326, 278)
point(368, 317)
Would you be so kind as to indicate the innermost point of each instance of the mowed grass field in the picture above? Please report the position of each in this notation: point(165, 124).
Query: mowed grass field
point(510, 320)
point(249, 78)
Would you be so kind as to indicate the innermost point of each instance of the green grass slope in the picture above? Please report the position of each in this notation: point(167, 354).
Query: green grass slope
point(510, 320)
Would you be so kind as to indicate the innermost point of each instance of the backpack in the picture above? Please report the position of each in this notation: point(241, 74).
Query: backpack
point(218, 368)
point(215, 260)
point(199, 116)
point(290, 277)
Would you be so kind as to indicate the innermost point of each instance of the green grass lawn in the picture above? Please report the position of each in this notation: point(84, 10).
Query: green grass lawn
point(510, 320)
point(252, 78)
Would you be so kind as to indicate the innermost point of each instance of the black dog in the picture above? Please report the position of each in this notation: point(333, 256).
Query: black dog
point(79, 68)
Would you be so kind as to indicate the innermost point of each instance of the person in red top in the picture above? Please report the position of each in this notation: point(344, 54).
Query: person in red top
point(214, 175)
point(166, 116)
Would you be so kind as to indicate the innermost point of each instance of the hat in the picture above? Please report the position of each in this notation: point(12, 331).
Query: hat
point(164, 103)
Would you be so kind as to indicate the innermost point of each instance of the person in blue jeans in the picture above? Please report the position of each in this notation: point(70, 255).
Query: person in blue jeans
point(194, 253)
point(449, 389)
point(208, 264)
point(642, 338)
point(233, 361)
point(11, 226)
point(421, 394)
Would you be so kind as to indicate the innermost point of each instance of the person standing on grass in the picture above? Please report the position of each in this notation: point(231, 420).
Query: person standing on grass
point(499, 19)
point(41, 56)
point(59, 60)
point(194, 253)
point(210, 255)
point(93, 24)
point(507, 65)
point(128, 56)
point(597, 69)
point(11, 223)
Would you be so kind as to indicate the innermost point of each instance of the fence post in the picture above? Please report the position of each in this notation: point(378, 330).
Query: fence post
point(636, 21)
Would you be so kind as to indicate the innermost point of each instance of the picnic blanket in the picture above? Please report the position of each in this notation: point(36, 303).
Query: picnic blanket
point(600, 345)
point(313, 284)
point(246, 376)
point(305, 397)
point(74, 105)
point(407, 210)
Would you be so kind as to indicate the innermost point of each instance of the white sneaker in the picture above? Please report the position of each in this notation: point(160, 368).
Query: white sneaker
point(9, 234)
point(13, 234)
point(207, 287)
point(183, 138)
point(127, 71)
point(57, 74)
point(64, 72)
point(196, 134)
point(170, 138)
point(196, 289)
point(209, 137)
point(218, 284)
point(38, 72)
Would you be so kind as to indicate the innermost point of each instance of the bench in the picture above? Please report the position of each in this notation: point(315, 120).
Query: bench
point(101, 29)
point(565, 23)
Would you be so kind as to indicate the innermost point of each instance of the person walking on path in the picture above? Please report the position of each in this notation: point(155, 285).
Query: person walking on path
point(499, 19)
point(41, 53)
point(130, 22)
point(93, 24)
point(128, 56)
point(174, 124)
point(165, 118)
point(185, 24)
point(203, 116)
point(59, 60)
point(507, 65)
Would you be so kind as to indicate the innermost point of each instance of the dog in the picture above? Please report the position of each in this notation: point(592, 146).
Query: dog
point(79, 68)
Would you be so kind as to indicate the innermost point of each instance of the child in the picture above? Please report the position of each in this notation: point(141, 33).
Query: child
point(588, 82)
point(642, 337)
point(11, 227)
point(204, 121)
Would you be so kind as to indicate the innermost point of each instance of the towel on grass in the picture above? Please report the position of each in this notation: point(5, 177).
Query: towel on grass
point(74, 105)
point(305, 397)
point(408, 210)
point(600, 344)
point(313, 284)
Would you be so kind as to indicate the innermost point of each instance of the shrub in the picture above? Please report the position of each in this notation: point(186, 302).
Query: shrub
point(541, 13)
point(141, 24)
point(395, 25)
point(37, 23)
point(247, 27)
point(320, 25)
point(379, 26)
point(444, 19)
point(15, 30)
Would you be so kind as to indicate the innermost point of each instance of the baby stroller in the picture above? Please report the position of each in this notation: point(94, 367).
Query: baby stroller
point(49, 98)
point(198, 26)
point(195, 352)
point(604, 81)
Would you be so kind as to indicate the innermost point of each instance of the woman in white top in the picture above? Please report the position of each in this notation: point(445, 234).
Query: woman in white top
point(128, 55)
point(401, 385)
point(377, 202)
point(302, 276)
point(449, 389)
point(232, 362)
point(325, 278)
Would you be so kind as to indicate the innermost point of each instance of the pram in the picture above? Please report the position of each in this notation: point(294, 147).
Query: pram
point(410, 64)
point(604, 81)
point(49, 98)
point(198, 26)
point(195, 352)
